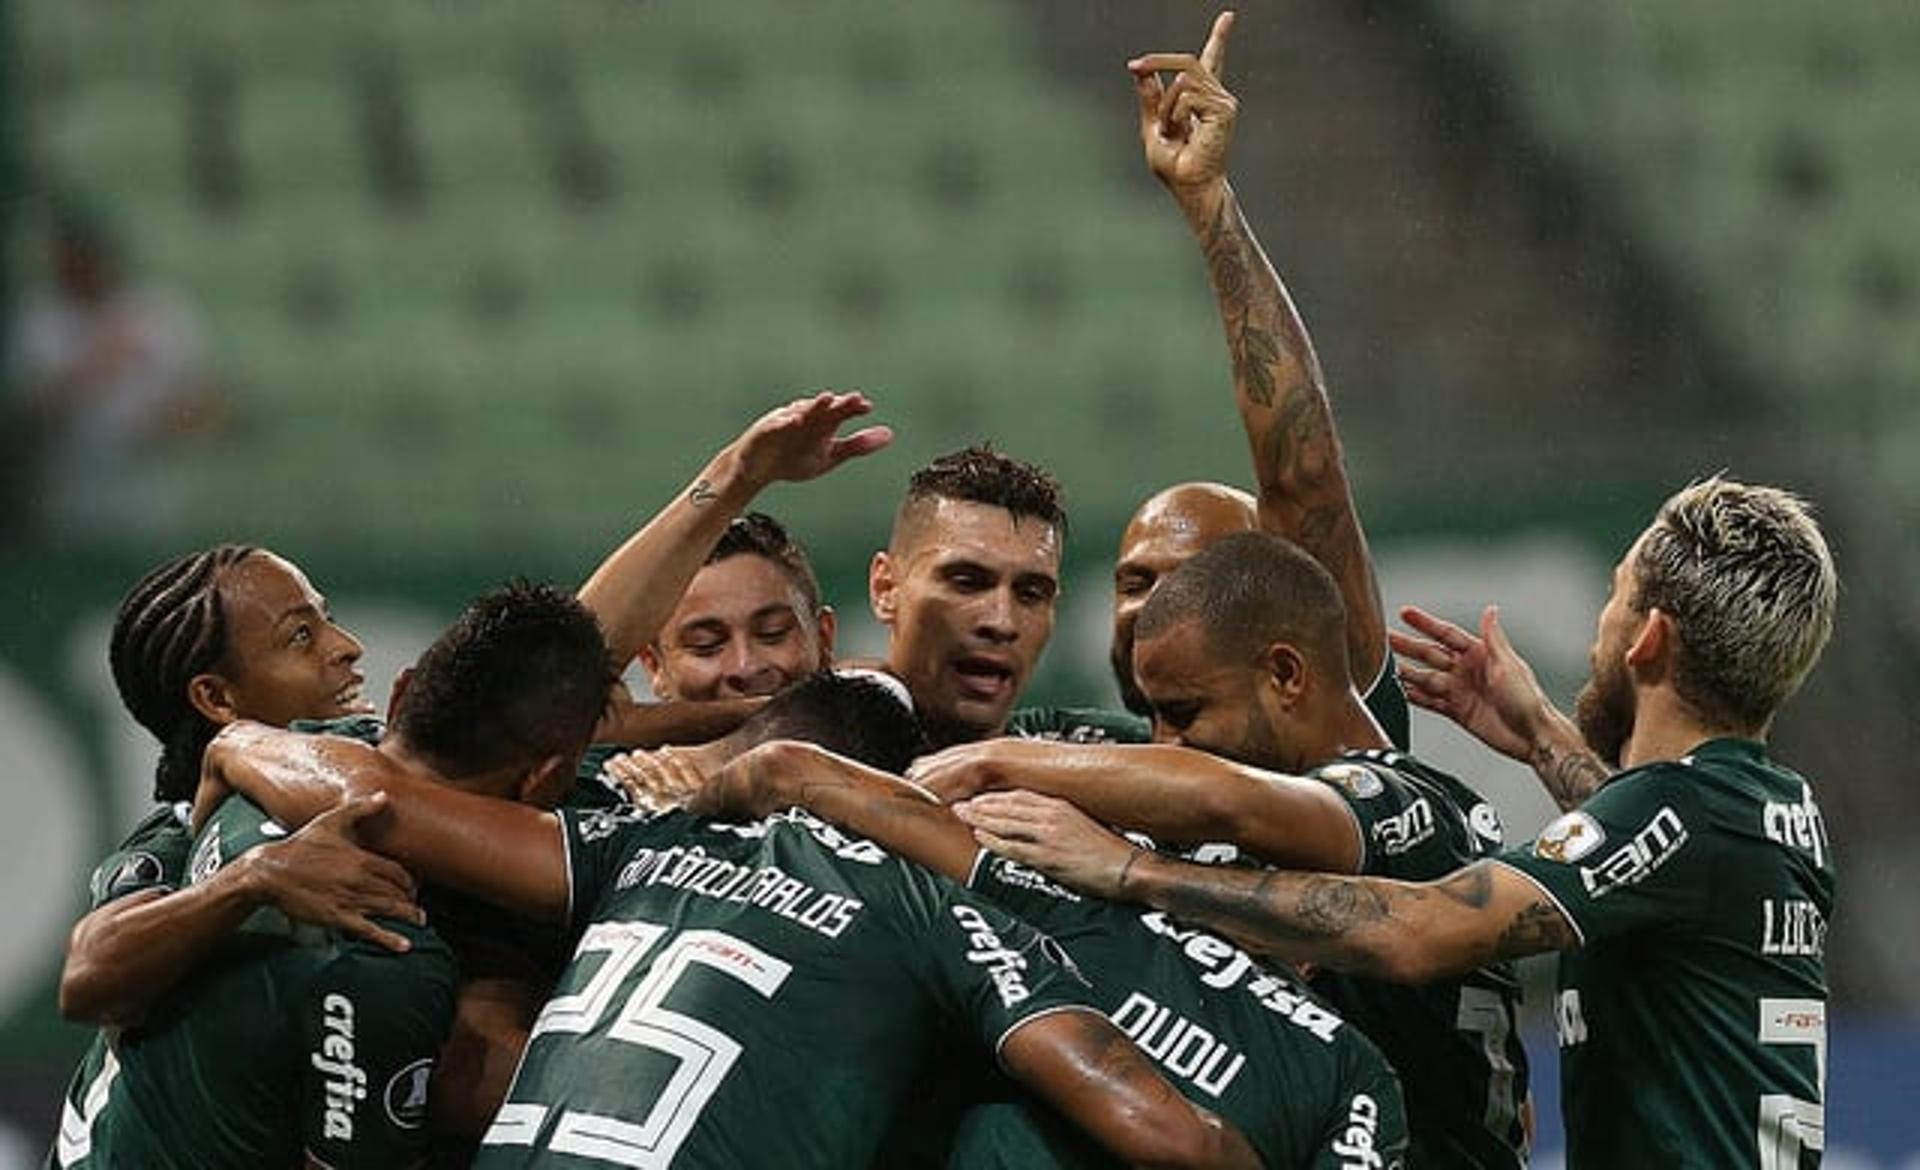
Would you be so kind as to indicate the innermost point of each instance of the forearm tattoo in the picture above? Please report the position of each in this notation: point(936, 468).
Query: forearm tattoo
point(701, 493)
point(1570, 776)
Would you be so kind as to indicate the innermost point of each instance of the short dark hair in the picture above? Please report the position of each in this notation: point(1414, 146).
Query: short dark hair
point(844, 713)
point(1248, 591)
point(981, 475)
point(760, 535)
point(170, 627)
point(521, 675)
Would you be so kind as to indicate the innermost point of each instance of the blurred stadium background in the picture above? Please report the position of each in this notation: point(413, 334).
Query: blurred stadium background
point(481, 284)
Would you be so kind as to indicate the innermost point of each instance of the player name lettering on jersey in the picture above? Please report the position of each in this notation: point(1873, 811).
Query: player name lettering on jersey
point(1182, 1047)
point(346, 1083)
point(768, 887)
point(1356, 1147)
point(1397, 834)
point(1004, 964)
point(1227, 965)
point(1792, 926)
point(1650, 848)
point(1797, 825)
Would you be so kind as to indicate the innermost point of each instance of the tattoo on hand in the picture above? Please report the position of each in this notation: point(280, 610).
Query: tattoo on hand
point(701, 493)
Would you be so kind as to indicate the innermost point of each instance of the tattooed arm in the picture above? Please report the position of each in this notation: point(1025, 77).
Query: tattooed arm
point(1187, 127)
point(636, 588)
point(1397, 931)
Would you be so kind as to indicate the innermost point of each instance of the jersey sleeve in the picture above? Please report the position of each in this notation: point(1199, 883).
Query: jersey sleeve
point(1637, 854)
point(153, 857)
point(373, 1023)
point(988, 970)
point(1368, 1128)
point(600, 841)
point(1028, 894)
point(1400, 822)
point(1387, 700)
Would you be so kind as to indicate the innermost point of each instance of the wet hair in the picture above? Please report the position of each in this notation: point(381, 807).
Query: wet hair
point(1747, 578)
point(521, 675)
point(1248, 591)
point(170, 627)
point(853, 716)
point(981, 475)
point(760, 535)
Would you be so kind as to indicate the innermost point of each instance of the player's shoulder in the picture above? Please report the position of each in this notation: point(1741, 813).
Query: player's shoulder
point(1078, 725)
point(153, 855)
point(1404, 805)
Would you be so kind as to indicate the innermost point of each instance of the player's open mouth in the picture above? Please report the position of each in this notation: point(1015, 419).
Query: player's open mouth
point(353, 696)
point(983, 678)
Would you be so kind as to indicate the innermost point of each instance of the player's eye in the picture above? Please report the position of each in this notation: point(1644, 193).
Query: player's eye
point(1037, 591)
point(1133, 585)
point(302, 634)
point(773, 635)
point(705, 649)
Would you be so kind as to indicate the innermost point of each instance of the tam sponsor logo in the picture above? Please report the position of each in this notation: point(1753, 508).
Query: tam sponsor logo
point(346, 1082)
point(1397, 834)
point(1649, 849)
point(1004, 964)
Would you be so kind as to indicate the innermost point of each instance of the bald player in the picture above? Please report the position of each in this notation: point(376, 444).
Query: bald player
point(1186, 128)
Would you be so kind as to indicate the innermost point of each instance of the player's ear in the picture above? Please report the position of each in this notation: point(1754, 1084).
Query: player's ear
point(546, 783)
point(650, 661)
point(827, 623)
point(1656, 642)
point(212, 696)
point(1286, 669)
point(882, 588)
point(400, 684)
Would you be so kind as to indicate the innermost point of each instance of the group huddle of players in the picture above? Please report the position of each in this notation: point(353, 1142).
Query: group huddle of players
point(787, 915)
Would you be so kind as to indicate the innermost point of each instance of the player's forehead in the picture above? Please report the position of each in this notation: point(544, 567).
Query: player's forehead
point(265, 586)
point(738, 590)
point(948, 532)
point(1175, 525)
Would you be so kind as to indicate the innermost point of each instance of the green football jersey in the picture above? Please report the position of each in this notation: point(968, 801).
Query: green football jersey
point(1387, 700)
point(755, 995)
point(293, 1043)
point(1692, 1019)
point(153, 857)
point(1241, 1039)
point(1455, 1042)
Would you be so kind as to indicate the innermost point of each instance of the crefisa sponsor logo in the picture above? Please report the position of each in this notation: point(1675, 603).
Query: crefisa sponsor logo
point(1004, 965)
point(346, 1082)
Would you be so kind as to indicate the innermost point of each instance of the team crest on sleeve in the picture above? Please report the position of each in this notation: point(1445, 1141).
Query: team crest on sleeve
point(601, 823)
point(406, 1094)
point(136, 871)
point(1569, 839)
point(1485, 820)
point(1356, 780)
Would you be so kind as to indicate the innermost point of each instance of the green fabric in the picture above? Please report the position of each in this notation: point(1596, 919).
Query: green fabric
point(755, 995)
point(293, 1043)
point(153, 856)
point(1244, 1040)
point(1692, 1022)
point(1079, 725)
point(1455, 1042)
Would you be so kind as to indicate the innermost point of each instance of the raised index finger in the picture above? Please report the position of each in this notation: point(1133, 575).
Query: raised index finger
point(1214, 56)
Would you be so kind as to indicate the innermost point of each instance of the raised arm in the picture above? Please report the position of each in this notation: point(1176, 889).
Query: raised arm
point(1087, 1070)
point(445, 835)
point(1186, 128)
point(1175, 795)
point(1401, 932)
point(635, 589)
point(899, 816)
point(125, 955)
point(1484, 685)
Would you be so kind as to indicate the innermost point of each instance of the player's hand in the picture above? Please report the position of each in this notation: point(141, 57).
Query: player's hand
point(1186, 125)
point(1052, 836)
point(968, 769)
point(752, 784)
point(656, 780)
point(801, 440)
point(1481, 683)
point(322, 875)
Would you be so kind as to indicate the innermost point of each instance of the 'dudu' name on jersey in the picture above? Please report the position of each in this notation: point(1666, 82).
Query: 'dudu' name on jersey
point(767, 887)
